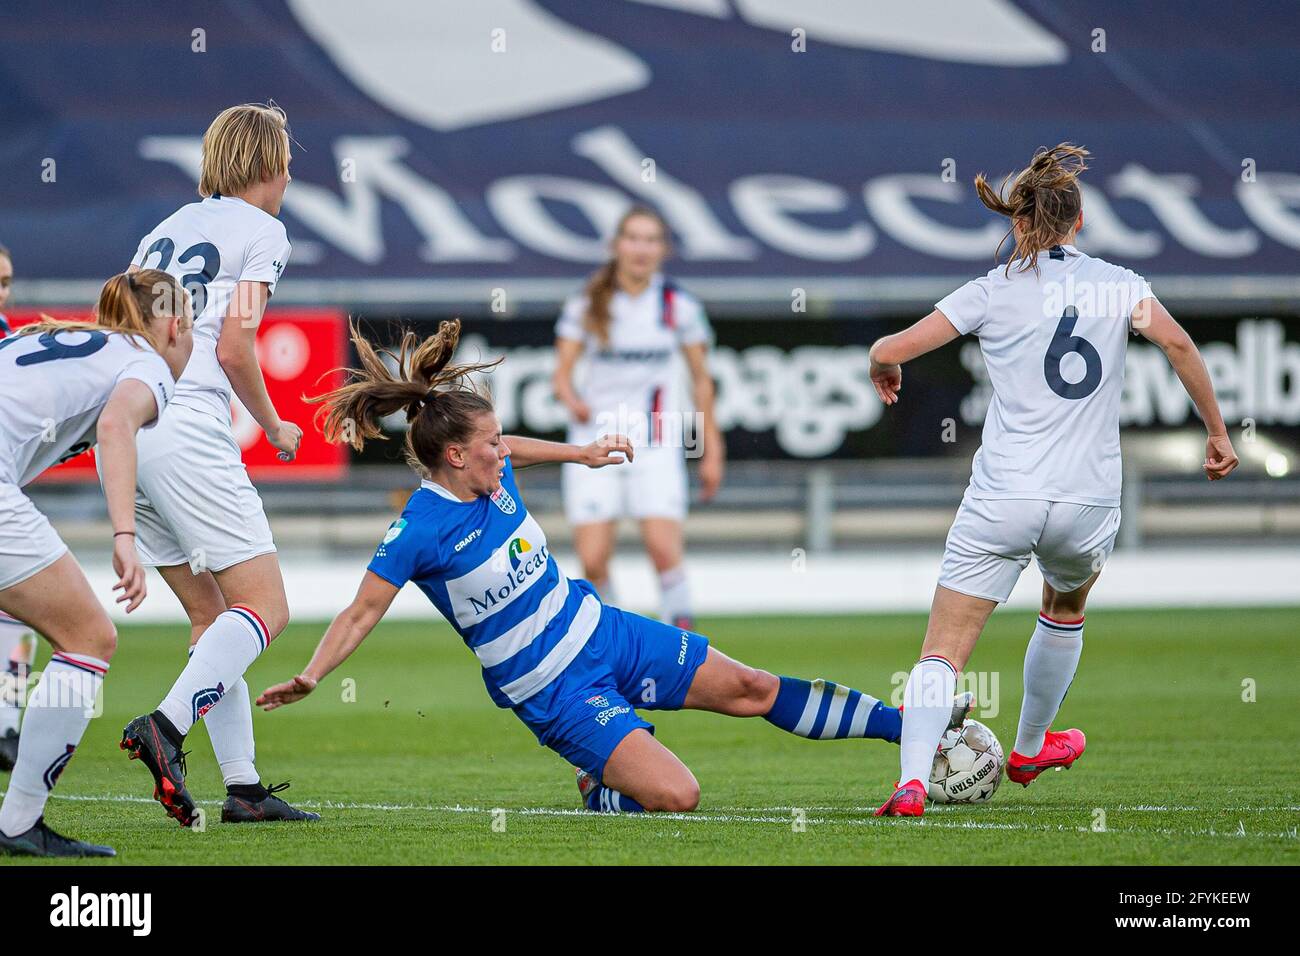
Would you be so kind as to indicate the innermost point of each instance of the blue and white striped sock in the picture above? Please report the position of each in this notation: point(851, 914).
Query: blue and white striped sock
point(605, 800)
point(821, 710)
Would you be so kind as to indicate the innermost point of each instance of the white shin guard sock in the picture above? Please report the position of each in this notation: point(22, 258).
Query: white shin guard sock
point(675, 595)
point(57, 714)
point(1051, 659)
point(225, 651)
point(927, 708)
point(230, 728)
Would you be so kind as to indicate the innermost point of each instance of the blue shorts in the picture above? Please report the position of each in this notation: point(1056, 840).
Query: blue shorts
point(629, 662)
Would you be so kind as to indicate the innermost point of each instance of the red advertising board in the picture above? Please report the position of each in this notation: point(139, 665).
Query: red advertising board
point(295, 348)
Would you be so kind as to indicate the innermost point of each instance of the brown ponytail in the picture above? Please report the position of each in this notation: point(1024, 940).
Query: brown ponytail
point(128, 303)
point(440, 400)
point(1044, 197)
point(604, 281)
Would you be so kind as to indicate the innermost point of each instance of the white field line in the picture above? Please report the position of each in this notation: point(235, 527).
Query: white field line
point(763, 815)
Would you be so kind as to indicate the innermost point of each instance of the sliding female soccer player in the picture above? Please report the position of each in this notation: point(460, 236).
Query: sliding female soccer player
point(17, 640)
point(572, 669)
point(65, 386)
point(629, 326)
point(201, 520)
point(1053, 328)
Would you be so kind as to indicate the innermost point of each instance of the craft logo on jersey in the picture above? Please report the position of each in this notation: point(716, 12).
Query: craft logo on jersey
point(518, 548)
point(501, 498)
point(206, 699)
point(54, 770)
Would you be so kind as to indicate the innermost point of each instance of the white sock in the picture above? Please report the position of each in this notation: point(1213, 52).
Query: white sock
point(57, 714)
point(927, 708)
point(17, 652)
point(225, 651)
point(1050, 662)
point(230, 728)
point(675, 595)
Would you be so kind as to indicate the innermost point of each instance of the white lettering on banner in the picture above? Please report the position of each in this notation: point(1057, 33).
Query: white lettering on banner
point(1256, 376)
point(347, 216)
point(812, 396)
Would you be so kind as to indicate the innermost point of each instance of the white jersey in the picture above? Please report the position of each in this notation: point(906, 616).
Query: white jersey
point(637, 372)
point(209, 247)
point(1054, 345)
point(53, 385)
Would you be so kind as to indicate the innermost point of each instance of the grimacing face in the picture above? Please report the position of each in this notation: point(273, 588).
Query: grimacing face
point(484, 455)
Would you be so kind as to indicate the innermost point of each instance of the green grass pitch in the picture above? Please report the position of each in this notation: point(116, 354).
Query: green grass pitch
point(1182, 768)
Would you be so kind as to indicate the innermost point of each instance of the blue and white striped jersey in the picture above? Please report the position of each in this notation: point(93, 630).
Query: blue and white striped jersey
point(486, 566)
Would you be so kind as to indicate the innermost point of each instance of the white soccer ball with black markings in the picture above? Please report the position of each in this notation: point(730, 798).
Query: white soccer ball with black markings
point(967, 766)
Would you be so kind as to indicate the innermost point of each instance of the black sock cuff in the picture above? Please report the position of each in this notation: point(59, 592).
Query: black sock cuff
point(168, 728)
point(247, 791)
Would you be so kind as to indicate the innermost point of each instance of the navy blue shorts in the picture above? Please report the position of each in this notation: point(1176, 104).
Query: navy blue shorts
point(629, 663)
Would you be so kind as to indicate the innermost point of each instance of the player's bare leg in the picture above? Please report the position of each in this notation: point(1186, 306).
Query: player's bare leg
point(817, 709)
point(59, 603)
point(645, 771)
point(1050, 663)
point(594, 543)
point(665, 543)
point(956, 621)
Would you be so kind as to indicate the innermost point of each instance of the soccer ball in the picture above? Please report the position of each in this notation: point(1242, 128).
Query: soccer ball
point(967, 766)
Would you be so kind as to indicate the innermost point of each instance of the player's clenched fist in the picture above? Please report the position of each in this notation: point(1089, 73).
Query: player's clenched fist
point(285, 436)
point(1220, 459)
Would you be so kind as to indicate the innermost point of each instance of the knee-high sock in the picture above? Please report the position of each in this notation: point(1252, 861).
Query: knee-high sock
point(230, 728)
point(230, 644)
point(927, 708)
point(605, 800)
point(57, 714)
point(822, 710)
point(17, 651)
point(675, 597)
point(1050, 662)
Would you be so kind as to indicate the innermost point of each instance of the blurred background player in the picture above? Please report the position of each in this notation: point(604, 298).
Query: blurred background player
point(100, 382)
point(1046, 479)
point(572, 668)
point(17, 640)
point(628, 326)
point(201, 520)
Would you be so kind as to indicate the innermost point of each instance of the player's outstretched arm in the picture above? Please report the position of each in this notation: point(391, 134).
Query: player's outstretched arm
point(1153, 322)
point(343, 636)
point(598, 454)
point(890, 352)
point(237, 354)
point(130, 406)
